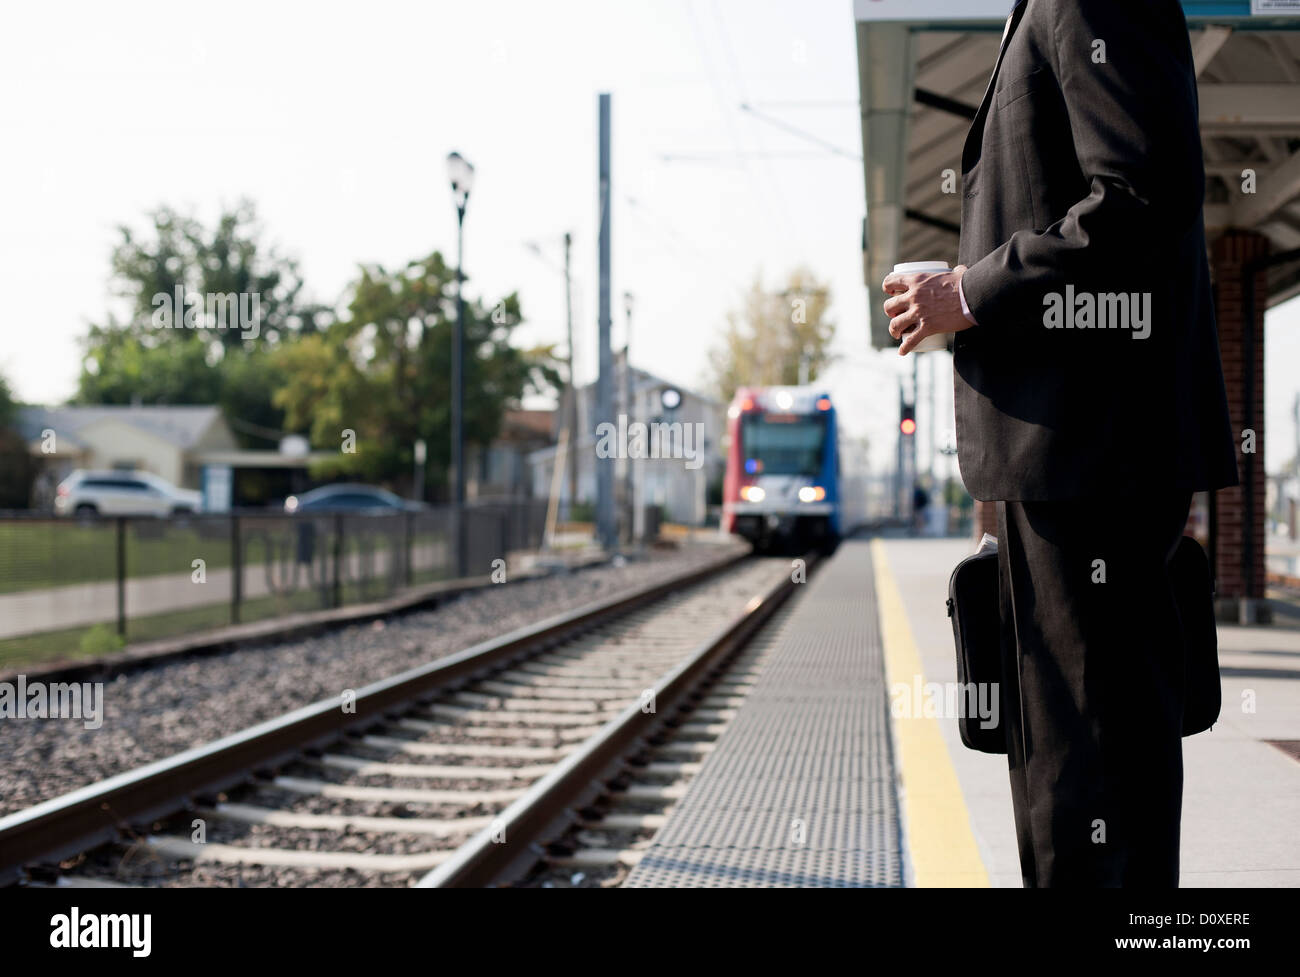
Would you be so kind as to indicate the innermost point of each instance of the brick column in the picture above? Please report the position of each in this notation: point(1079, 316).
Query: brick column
point(1228, 254)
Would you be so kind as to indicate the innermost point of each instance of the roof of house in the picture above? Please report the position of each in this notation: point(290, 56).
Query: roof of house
point(179, 426)
point(528, 424)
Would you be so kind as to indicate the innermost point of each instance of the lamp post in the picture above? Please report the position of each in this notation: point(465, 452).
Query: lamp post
point(461, 174)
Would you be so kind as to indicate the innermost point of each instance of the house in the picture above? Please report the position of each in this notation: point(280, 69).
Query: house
point(502, 470)
point(191, 446)
point(676, 485)
point(161, 440)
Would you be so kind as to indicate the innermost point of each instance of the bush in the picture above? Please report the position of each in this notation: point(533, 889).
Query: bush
point(101, 640)
point(582, 512)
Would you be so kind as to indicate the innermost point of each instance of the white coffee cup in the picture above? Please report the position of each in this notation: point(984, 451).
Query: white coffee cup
point(939, 340)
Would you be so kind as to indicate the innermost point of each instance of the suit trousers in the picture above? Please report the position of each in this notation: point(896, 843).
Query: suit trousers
point(1093, 686)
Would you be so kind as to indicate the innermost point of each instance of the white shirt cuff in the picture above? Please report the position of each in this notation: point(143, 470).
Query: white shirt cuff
point(965, 309)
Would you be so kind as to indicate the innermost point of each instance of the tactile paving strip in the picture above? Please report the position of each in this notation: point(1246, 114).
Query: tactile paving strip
point(799, 790)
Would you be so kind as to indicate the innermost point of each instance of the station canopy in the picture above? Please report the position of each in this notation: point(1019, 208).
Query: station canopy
point(923, 66)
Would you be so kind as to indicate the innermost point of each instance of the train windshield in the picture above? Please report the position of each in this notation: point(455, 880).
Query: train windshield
point(783, 444)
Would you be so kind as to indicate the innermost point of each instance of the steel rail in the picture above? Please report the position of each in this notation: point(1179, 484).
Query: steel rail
point(505, 849)
point(81, 819)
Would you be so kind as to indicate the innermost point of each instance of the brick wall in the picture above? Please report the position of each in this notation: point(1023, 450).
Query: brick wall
point(1228, 254)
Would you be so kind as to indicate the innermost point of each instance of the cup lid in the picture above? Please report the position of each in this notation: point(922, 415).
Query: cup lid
point(908, 267)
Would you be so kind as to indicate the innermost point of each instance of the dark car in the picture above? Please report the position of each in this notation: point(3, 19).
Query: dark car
point(350, 498)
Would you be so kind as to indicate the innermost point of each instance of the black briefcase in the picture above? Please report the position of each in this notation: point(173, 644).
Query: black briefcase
point(976, 630)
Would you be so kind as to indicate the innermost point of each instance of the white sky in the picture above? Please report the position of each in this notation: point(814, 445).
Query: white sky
point(336, 120)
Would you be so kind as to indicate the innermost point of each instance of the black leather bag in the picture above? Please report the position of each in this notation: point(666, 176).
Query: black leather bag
point(976, 629)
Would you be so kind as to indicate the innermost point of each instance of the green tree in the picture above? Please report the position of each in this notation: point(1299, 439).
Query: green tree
point(133, 361)
point(776, 337)
point(383, 372)
point(124, 366)
point(17, 467)
point(230, 257)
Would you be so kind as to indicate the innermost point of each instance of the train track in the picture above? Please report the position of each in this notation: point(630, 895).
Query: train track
point(608, 836)
point(451, 774)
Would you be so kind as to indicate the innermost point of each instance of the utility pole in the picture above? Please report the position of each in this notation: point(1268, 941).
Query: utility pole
point(629, 500)
point(916, 403)
point(571, 455)
point(605, 529)
point(898, 461)
point(931, 423)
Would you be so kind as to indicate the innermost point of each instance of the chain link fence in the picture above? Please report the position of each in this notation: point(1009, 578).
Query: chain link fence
point(81, 587)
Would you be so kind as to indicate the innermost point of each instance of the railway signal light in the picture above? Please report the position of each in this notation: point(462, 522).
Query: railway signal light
point(907, 423)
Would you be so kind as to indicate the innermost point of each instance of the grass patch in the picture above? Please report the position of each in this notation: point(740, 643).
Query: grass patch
point(38, 555)
point(76, 644)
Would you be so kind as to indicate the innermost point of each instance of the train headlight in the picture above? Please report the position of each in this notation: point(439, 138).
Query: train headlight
point(812, 493)
point(752, 493)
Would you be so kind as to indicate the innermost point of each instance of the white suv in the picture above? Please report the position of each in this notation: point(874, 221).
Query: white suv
point(122, 494)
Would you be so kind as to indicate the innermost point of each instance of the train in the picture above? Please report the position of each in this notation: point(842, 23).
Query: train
point(785, 484)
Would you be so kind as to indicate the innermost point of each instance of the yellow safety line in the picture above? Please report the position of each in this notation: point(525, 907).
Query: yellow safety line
point(937, 823)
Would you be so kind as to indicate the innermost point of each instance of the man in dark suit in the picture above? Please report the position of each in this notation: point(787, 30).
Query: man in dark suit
point(1090, 404)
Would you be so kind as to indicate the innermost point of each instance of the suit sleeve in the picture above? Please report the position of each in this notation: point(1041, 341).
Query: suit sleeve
point(1135, 128)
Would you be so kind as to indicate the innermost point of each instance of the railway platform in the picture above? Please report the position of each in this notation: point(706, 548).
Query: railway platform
point(830, 776)
point(800, 788)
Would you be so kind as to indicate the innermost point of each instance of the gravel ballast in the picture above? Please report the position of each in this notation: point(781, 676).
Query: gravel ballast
point(161, 710)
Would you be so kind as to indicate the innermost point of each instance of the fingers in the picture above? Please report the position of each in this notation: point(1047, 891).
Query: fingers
point(901, 324)
point(895, 283)
point(898, 304)
point(911, 339)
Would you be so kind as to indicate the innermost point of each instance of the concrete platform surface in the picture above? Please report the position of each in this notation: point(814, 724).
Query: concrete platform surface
point(1241, 798)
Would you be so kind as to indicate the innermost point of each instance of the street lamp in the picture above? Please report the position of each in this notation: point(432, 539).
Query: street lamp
point(461, 174)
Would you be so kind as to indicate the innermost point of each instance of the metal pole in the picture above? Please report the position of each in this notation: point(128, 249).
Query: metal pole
point(336, 598)
point(121, 576)
point(605, 529)
point(1247, 423)
point(571, 457)
point(898, 466)
point(236, 570)
point(932, 423)
point(457, 366)
point(408, 547)
point(629, 500)
point(458, 396)
point(911, 441)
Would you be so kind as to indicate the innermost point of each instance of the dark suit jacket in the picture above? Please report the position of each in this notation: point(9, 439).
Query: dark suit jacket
point(1088, 175)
